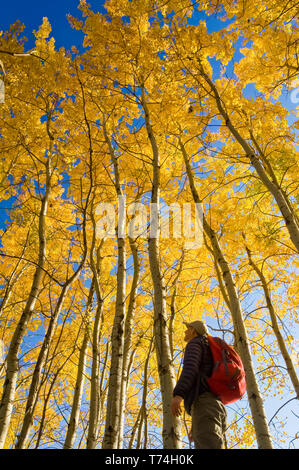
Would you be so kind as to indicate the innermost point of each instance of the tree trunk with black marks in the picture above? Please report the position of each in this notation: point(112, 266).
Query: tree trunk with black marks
point(253, 393)
point(171, 425)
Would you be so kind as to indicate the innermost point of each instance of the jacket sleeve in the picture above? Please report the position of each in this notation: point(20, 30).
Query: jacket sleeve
point(192, 360)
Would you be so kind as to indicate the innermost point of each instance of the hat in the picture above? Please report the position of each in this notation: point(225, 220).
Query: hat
point(198, 326)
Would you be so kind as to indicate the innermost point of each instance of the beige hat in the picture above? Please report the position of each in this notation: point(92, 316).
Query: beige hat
point(198, 326)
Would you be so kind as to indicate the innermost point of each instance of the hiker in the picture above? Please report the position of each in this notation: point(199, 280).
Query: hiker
point(207, 410)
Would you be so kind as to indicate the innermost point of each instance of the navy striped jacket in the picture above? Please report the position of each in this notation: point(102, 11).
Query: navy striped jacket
point(198, 364)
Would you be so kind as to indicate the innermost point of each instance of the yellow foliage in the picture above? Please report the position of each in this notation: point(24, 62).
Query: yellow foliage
point(66, 121)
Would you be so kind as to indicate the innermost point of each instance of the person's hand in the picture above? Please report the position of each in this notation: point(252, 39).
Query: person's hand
point(176, 405)
point(190, 437)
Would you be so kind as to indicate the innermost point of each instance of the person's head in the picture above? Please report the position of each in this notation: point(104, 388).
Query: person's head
point(195, 328)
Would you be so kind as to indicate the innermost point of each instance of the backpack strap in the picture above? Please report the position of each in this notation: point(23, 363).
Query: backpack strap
point(202, 385)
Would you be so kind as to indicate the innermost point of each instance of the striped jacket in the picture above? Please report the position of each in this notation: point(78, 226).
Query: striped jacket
point(198, 364)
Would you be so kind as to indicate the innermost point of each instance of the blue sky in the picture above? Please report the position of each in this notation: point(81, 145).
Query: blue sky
point(31, 13)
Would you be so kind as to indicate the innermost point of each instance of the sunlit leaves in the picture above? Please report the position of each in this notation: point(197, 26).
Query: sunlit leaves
point(58, 103)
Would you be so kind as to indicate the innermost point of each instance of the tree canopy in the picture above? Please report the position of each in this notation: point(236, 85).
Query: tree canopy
point(158, 113)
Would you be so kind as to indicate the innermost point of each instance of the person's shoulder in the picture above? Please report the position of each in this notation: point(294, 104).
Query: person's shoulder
point(199, 341)
point(196, 341)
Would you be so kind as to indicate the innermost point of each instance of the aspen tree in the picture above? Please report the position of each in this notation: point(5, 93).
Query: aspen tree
point(110, 440)
point(49, 393)
point(6, 296)
point(281, 343)
point(32, 395)
point(254, 396)
point(78, 391)
point(14, 276)
point(94, 408)
point(173, 301)
point(94, 393)
point(128, 327)
point(171, 429)
point(268, 178)
point(6, 405)
point(143, 414)
point(140, 73)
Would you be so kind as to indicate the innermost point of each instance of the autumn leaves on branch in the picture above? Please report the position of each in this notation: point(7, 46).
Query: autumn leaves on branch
point(153, 110)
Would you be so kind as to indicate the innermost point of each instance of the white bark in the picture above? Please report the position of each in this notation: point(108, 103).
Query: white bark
point(94, 406)
point(291, 221)
point(111, 435)
point(6, 296)
point(15, 275)
point(281, 343)
point(143, 416)
point(78, 392)
point(253, 393)
point(171, 424)
point(94, 381)
point(8, 395)
point(33, 389)
point(128, 340)
point(172, 303)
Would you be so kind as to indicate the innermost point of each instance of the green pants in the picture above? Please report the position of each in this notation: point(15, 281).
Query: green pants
point(208, 422)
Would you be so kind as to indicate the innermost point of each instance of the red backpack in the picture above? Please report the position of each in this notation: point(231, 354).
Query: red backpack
point(228, 376)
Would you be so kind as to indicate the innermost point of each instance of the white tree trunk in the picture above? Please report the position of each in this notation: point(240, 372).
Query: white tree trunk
point(111, 435)
point(94, 381)
point(281, 343)
point(9, 389)
point(128, 340)
point(254, 396)
point(171, 425)
point(291, 221)
point(94, 406)
point(78, 392)
point(33, 389)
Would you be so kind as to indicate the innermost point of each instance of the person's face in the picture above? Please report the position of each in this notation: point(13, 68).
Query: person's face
point(189, 333)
